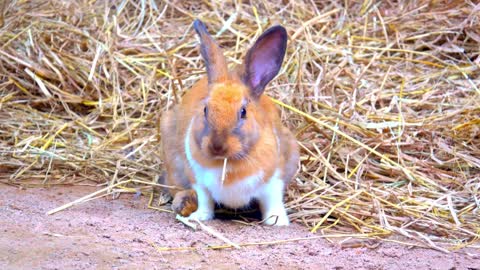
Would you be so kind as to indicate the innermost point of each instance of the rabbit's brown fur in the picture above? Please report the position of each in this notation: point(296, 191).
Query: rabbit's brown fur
point(220, 117)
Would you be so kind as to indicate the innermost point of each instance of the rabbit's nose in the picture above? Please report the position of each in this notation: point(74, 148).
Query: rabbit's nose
point(218, 148)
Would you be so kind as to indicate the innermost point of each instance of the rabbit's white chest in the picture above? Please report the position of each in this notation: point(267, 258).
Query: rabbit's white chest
point(235, 195)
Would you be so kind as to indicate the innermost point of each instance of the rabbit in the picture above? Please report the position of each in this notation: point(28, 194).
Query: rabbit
point(226, 116)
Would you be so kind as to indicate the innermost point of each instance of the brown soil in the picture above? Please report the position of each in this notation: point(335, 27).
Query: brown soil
point(117, 234)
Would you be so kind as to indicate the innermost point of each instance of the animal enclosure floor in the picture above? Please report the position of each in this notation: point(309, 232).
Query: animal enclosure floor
point(121, 234)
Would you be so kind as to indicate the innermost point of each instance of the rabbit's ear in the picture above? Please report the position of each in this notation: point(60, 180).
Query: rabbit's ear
point(264, 59)
point(217, 70)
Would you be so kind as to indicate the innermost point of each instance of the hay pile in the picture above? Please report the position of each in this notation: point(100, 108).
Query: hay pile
point(384, 99)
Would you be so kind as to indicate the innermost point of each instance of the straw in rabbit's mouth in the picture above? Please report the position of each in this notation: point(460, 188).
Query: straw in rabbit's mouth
point(224, 171)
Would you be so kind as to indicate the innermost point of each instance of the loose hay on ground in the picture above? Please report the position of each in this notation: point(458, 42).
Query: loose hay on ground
point(384, 99)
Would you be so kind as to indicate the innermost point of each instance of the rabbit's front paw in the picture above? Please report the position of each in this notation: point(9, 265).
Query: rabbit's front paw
point(202, 214)
point(185, 202)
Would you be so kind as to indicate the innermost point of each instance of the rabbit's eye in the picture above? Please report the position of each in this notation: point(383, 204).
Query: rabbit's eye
point(243, 113)
point(205, 111)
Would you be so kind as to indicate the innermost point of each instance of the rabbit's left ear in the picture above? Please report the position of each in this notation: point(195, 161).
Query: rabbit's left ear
point(217, 70)
point(264, 59)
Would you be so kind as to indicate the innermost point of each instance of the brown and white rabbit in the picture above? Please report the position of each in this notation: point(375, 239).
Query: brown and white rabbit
point(226, 116)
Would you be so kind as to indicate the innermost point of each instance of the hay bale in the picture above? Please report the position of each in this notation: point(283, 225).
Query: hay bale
point(384, 98)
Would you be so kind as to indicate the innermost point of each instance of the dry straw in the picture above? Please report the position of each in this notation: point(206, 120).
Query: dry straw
point(384, 98)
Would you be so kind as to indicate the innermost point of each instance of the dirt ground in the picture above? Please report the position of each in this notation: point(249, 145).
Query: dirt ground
point(118, 234)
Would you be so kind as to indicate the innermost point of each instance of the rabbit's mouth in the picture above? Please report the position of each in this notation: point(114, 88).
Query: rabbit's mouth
point(217, 149)
point(227, 155)
point(219, 146)
point(217, 157)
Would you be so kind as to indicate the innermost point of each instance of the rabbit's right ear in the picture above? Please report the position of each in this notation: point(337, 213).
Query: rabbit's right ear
point(215, 62)
point(264, 59)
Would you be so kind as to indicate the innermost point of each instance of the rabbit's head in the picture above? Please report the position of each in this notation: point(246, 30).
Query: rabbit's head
point(230, 119)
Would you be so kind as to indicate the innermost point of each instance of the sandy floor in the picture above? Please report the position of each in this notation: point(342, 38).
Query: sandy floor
point(117, 234)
